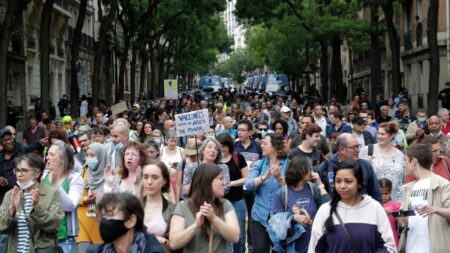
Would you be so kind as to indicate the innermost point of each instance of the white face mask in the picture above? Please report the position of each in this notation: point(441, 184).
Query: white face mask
point(25, 185)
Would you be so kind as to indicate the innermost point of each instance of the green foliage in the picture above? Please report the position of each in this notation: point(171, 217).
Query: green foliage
point(235, 66)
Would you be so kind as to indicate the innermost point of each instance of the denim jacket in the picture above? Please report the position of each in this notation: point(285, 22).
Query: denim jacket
point(278, 227)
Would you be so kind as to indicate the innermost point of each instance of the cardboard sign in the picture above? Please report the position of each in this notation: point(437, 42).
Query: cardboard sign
point(171, 89)
point(119, 108)
point(192, 122)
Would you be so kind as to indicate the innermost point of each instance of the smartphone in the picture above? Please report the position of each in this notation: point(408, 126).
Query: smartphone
point(403, 213)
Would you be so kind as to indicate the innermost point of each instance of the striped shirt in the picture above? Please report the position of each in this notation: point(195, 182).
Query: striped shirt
point(23, 232)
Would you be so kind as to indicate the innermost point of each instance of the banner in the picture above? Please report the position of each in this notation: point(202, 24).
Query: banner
point(192, 122)
point(171, 89)
point(119, 108)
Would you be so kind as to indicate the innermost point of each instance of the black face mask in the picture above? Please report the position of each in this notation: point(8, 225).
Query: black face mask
point(110, 230)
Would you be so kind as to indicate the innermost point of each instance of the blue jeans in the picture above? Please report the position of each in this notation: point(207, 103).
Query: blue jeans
point(68, 245)
point(241, 211)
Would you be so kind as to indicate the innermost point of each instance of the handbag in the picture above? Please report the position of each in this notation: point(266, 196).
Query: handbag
point(347, 235)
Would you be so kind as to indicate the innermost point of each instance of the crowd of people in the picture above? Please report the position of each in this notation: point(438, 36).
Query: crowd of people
point(280, 173)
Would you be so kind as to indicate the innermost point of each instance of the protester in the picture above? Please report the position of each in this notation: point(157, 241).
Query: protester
point(153, 150)
point(204, 220)
point(238, 173)
point(351, 222)
point(308, 147)
point(157, 209)
point(93, 179)
point(416, 128)
point(60, 174)
point(389, 205)
point(301, 198)
point(172, 156)
point(31, 212)
point(386, 160)
point(146, 134)
point(122, 226)
point(265, 177)
point(429, 196)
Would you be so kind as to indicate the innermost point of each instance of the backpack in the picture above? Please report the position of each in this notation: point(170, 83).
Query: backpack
point(314, 190)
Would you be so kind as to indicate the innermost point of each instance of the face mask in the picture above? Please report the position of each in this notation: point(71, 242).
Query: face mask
point(263, 133)
point(110, 230)
point(119, 146)
point(421, 120)
point(25, 185)
point(157, 141)
point(437, 135)
point(92, 163)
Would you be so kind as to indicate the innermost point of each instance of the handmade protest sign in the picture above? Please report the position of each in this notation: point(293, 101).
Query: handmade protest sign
point(192, 122)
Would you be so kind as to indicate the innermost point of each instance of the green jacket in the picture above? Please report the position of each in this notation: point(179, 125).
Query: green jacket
point(43, 219)
point(438, 226)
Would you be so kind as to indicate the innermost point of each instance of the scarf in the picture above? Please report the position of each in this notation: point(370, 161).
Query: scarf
point(96, 176)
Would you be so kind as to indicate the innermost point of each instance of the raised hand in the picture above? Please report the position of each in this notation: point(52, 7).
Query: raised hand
point(207, 211)
point(109, 177)
point(35, 196)
point(138, 175)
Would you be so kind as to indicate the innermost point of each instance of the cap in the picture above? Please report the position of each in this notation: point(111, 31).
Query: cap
point(5, 131)
point(66, 119)
point(137, 106)
point(190, 148)
point(285, 109)
point(358, 120)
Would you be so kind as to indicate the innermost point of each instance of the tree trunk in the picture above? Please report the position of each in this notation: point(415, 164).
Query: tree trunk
point(75, 50)
point(433, 10)
point(153, 77)
point(144, 64)
point(337, 86)
point(105, 26)
point(108, 80)
point(44, 45)
point(375, 53)
point(4, 42)
point(394, 44)
point(324, 69)
point(123, 66)
point(133, 75)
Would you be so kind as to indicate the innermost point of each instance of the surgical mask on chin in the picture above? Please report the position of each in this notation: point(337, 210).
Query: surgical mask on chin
point(437, 135)
point(25, 185)
point(118, 147)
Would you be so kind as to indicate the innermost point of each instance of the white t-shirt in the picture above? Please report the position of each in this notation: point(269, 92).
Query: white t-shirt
point(418, 234)
point(360, 138)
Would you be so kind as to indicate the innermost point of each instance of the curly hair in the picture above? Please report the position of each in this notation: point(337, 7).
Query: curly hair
point(277, 141)
point(142, 154)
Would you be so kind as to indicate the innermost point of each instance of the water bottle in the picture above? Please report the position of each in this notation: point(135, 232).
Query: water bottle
point(330, 176)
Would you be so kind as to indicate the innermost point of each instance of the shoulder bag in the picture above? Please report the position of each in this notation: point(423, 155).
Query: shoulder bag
point(347, 234)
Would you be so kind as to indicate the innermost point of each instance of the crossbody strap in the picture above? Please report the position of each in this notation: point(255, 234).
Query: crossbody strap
point(349, 238)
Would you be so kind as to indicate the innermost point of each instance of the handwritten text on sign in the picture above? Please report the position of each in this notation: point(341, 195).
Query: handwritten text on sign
point(192, 122)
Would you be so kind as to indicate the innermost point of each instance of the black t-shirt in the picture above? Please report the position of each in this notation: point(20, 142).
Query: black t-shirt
point(236, 192)
point(314, 155)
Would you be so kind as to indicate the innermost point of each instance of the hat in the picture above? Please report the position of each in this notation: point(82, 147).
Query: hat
point(5, 131)
point(137, 106)
point(66, 119)
point(190, 148)
point(285, 109)
point(358, 120)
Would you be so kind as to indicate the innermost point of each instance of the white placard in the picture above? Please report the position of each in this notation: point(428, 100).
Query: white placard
point(171, 89)
point(192, 122)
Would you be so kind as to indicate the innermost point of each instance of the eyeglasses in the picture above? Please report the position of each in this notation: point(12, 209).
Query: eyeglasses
point(21, 171)
point(242, 130)
point(354, 148)
point(262, 129)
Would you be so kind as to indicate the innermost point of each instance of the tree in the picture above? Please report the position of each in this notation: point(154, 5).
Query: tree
point(375, 56)
point(74, 51)
point(5, 38)
point(44, 45)
point(433, 13)
point(105, 26)
point(394, 44)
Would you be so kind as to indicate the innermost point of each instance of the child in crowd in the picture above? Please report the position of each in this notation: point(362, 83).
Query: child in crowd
point(389, 206)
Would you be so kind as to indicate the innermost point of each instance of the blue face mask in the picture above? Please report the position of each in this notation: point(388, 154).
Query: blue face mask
point(118, 147)
point(92, 163)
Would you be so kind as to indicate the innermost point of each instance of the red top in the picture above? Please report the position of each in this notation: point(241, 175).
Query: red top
point(446, 129)
point(441, 167)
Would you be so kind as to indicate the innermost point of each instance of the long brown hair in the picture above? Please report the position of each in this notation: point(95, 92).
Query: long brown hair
point(201, 191)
